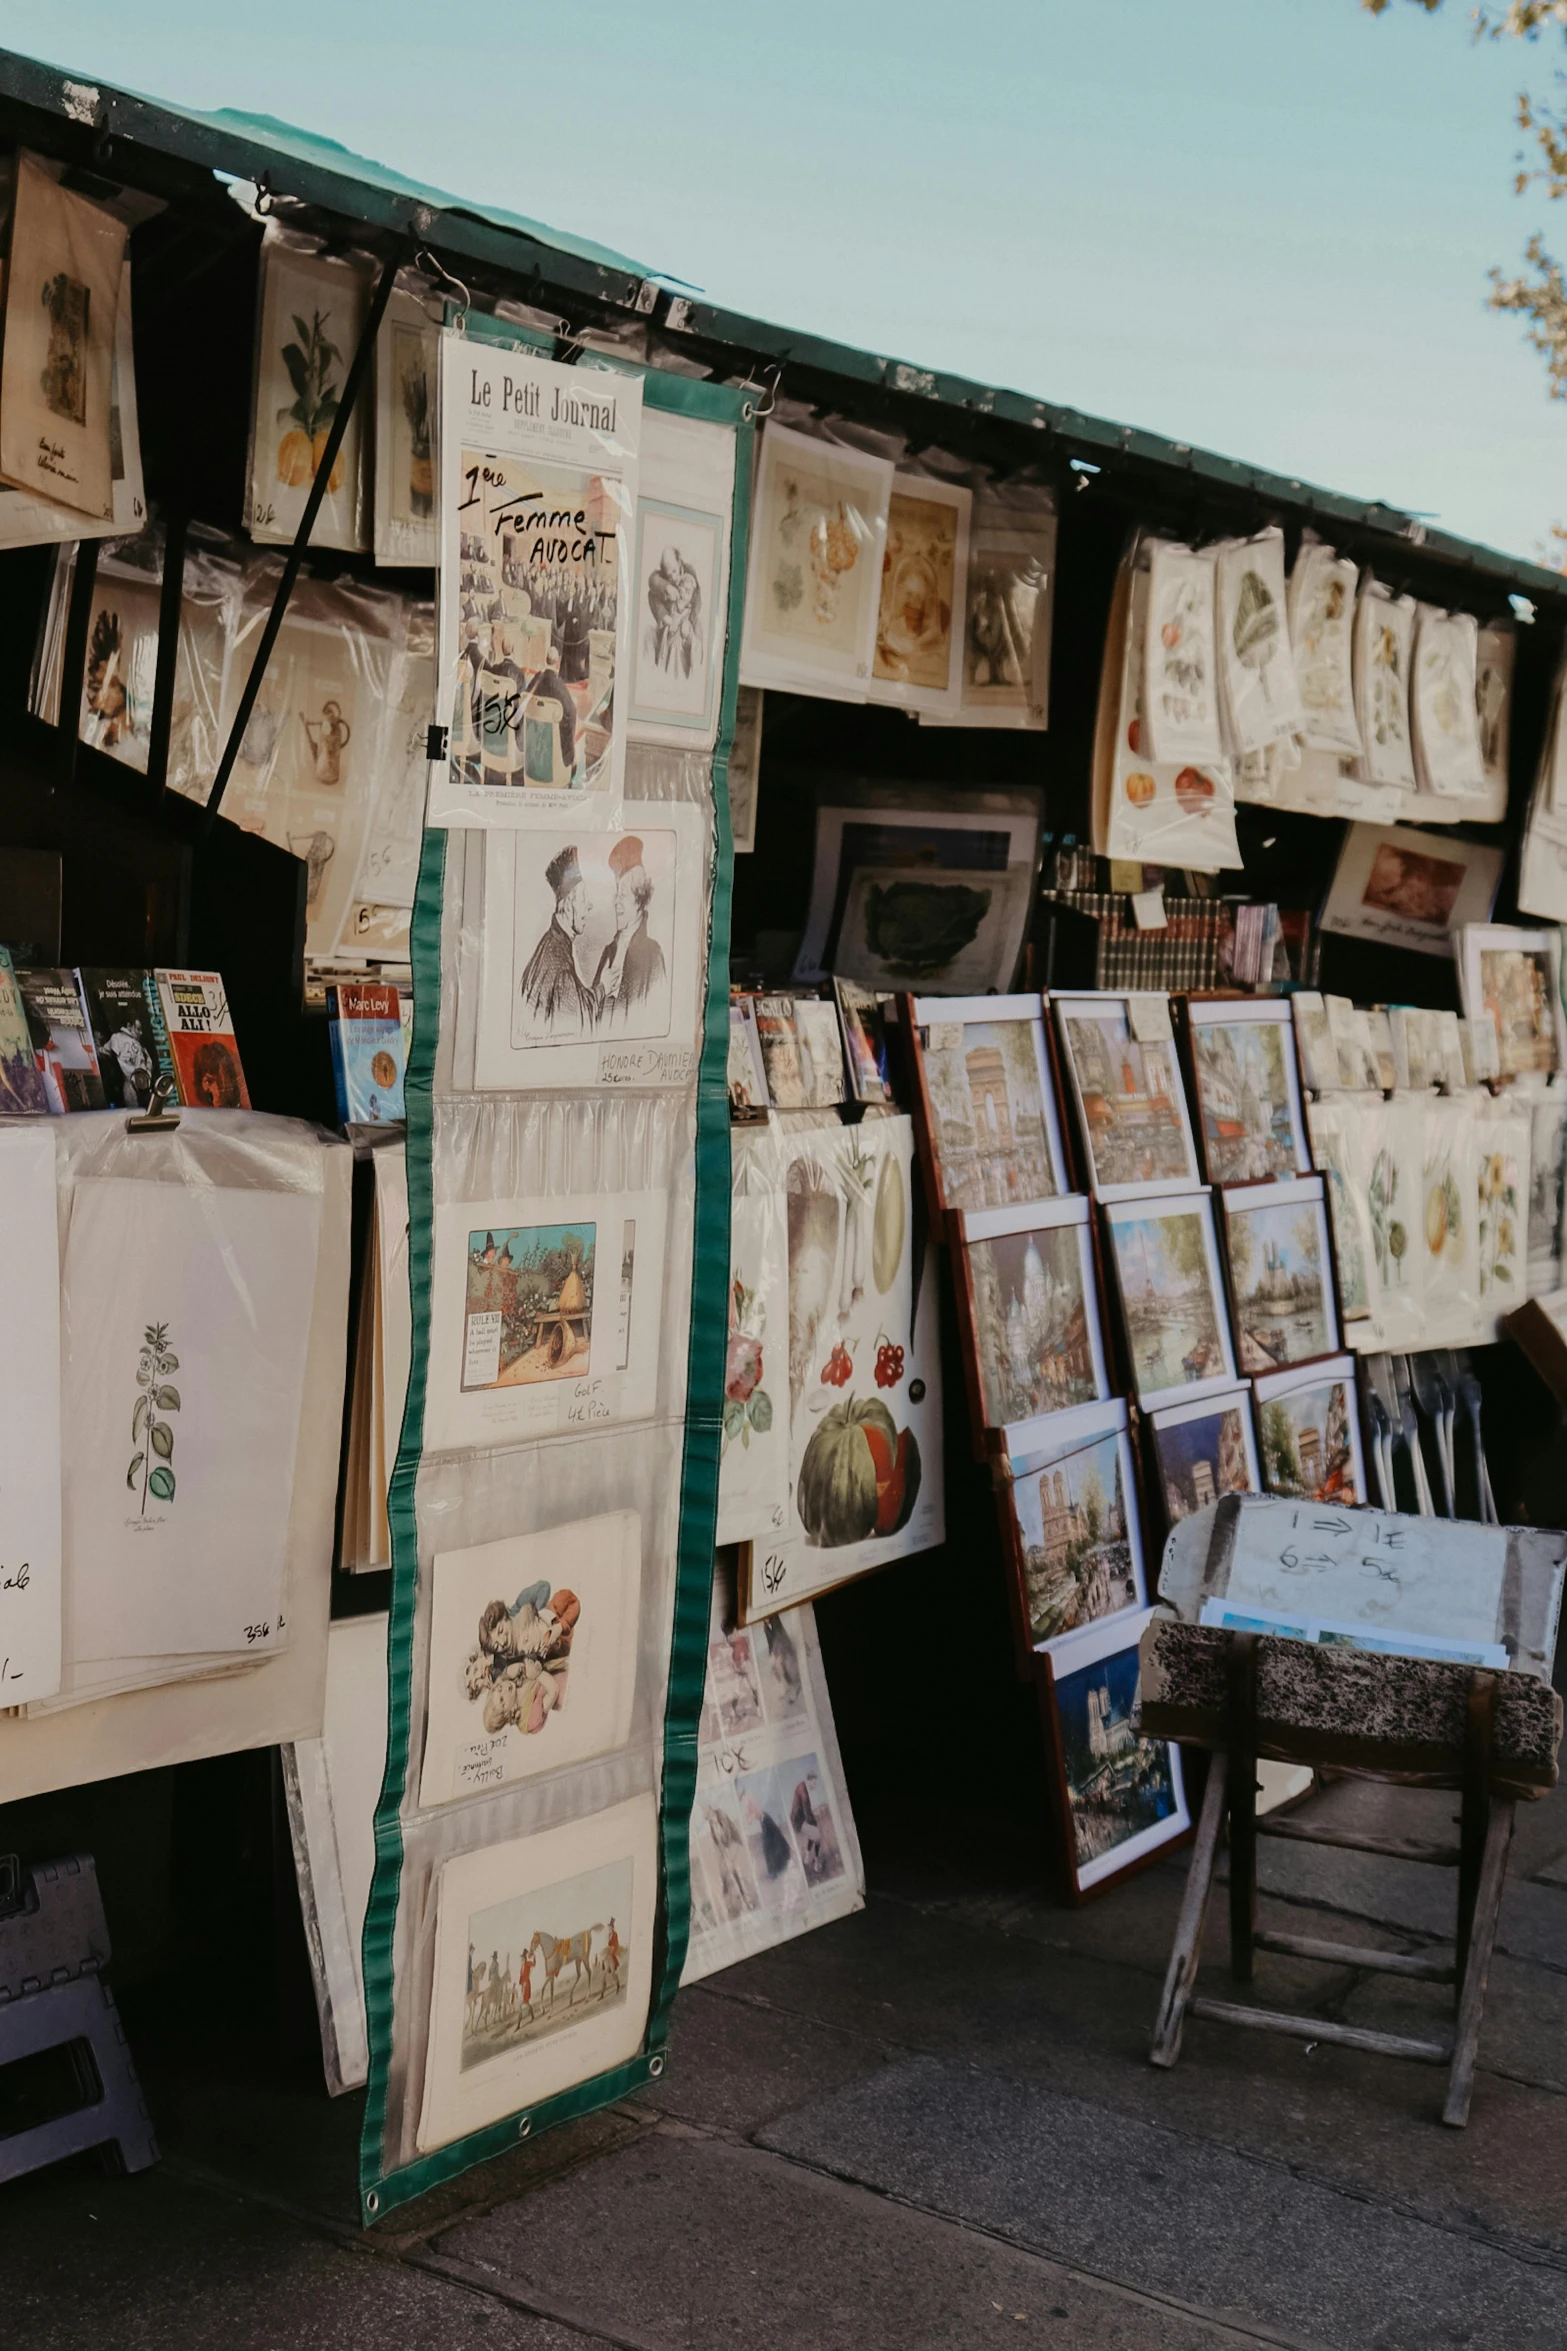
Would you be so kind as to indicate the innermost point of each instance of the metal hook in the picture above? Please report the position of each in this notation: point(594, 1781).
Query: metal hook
point(425, 255)
point(756, 411)
point(264, 196)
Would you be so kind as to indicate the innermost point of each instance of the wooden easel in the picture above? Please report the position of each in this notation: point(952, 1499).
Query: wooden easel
point(1480, 1858)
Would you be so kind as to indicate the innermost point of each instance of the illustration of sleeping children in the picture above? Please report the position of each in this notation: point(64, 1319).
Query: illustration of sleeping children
point(518, 1672)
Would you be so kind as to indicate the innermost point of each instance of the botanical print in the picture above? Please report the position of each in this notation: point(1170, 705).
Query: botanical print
point(1179, 809)
point(1261, 696)
point(748, 1406)
point(1443, 715)
point(986, 1084)
point(1384, 632)
point(753, 1469)
point(530, 1305)
point(1349, 1259)
point(1201, 1458)
point(1388, 1196)
point(595, 966)
point(1167, 1296)
point(1131, 1101)
point(1180, 697)
point(1547, 1190)
point(1322, 612)
point(1119, 1785)
point(313, 312)
point(1496, 651)
point(1281, 1311)
point(955, 933)
point(151, 1472)
point(553, 1956)
point(921, 583)
point(1304, 1438)
point(1072, 1525)
point(1033, 1338)
point(1517, 984)
point(1444, 1221)
point(1502, 1226)
point(413, 416)
point(1243, 1088)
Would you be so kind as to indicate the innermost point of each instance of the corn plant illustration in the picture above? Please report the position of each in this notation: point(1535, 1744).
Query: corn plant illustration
point(1255, 632)
point(312, 364)
point(151, 1464)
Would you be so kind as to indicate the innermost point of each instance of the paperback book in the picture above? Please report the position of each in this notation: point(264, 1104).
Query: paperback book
point(205, 1051)
point(368, 1061)
point(63, 1048)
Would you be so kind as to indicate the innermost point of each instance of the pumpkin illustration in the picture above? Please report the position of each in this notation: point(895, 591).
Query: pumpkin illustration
point(1140, 787)
point(859, 1476)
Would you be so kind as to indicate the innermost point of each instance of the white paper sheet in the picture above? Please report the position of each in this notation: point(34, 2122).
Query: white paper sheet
point(29, 1418)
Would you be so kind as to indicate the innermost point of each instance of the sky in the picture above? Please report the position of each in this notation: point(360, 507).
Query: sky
point(1261, 226)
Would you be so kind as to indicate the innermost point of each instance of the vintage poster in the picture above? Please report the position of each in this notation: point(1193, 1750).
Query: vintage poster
point(543, 1966)
point(594, 946)
point(56, 376)
point(31, 519)
point(313, 313)
point(680, 573)
point(813, 585)
point(1005, 676)
point(753, 1467)
point(918, 662)
point(29, 1418)
point(954, 932)
point(184, 1323)
point(1248, 1092)
point(773, 1848)
point(533, 1654)
point(407, 362)
point(539, 483)
point(544, 1315)
point(1122, 1796)
point(1069, 1507)
point(864, 1365)
point(1410, 889)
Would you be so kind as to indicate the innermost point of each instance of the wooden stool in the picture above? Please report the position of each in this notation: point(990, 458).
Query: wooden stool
point(1489, 1789)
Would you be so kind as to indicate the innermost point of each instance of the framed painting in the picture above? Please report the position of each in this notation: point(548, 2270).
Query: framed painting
point(1281, 1284)
point(1204, 1450)
point(1069, 1522)
point(1308, 1433)
point(1028, 1307)
point(1166, 1260)
point(1404, 888)
point(1516, 975)
point(1249, 1114)
point(985, 1101)
point(1126, 1086)
point(1120, 1799)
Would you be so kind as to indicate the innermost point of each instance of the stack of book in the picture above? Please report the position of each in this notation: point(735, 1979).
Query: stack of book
point(101, 1038)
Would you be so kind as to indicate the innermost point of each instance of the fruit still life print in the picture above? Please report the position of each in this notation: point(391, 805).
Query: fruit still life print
point(860, 1474)
point(151, 1470)
point(313, 364)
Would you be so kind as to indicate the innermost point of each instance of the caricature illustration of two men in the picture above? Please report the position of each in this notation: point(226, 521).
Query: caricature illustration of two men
point(561, 1000)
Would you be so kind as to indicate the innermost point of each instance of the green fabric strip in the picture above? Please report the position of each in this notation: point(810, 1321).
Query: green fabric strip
point(381, 2190)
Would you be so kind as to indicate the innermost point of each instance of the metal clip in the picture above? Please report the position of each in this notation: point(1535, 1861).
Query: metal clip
point(436, 739)
point(756, 410)
point(157, 1118)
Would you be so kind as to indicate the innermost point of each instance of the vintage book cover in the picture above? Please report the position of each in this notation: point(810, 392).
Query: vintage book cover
point(63, 1048)
point(21, 1081)
point(133, 1046)
point(367, 1051)
point(202, 1043)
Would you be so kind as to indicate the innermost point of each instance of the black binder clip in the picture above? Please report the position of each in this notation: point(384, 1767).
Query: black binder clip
point(435, 741)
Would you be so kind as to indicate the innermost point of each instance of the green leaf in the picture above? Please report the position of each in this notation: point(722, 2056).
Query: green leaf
point(130, 1475)
point(161, 1439)
point(1256, 628)
point(168, 1399)
point(761, 1412)
point(138, 1418)
point(161, 1483)
point(168, 1362)
point(298, 370)
point(1499, 1273)
point(734, 1418)
point(302, 329)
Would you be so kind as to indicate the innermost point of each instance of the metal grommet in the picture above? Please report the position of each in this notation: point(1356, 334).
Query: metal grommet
point(372, 2202)
point(524, 2126)
point(655, 2066)
point(748, 412)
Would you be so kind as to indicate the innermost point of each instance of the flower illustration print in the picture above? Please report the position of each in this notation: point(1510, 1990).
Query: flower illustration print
point(151, 1470)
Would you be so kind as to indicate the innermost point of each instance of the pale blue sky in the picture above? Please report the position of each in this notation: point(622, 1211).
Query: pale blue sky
point(1258, 225)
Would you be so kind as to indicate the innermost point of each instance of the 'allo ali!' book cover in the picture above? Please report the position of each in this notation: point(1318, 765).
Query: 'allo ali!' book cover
point(21, 1081)
point(207, 1070)
point(62, 1040)
point(367, 1051)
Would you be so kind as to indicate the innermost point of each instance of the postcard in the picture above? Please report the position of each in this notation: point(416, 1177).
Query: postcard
point(544, 1316)
point(919, 624)
point(748, 1098)
point(1276, 1239)
point(1029, 1299)
point(30, 1602)
point(932, 838)
point(1516, 976)
point(862, 1017)
point(533, 1654)
point(1131, 1104)
point(1204, 1450)
point(1121, 1796)
point(1069, 1516)
point(313, 313)
point(1172, 1299)
point(56, 378)
point(538, 472)
point(802, 1051)
point(1410, 889)
point(543, 1966)
point(818, 542)
point(1248, 1092)
point(987, 1101)
point(593, 952)
point(1308, 1433)
point(680, 570)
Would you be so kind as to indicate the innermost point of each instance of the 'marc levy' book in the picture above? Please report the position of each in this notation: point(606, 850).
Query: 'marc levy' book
point(367, 1051)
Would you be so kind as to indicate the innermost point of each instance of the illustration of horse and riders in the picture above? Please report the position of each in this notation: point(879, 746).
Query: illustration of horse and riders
point(555, 1979)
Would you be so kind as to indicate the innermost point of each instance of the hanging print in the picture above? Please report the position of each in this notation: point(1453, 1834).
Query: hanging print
point(313, 312)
